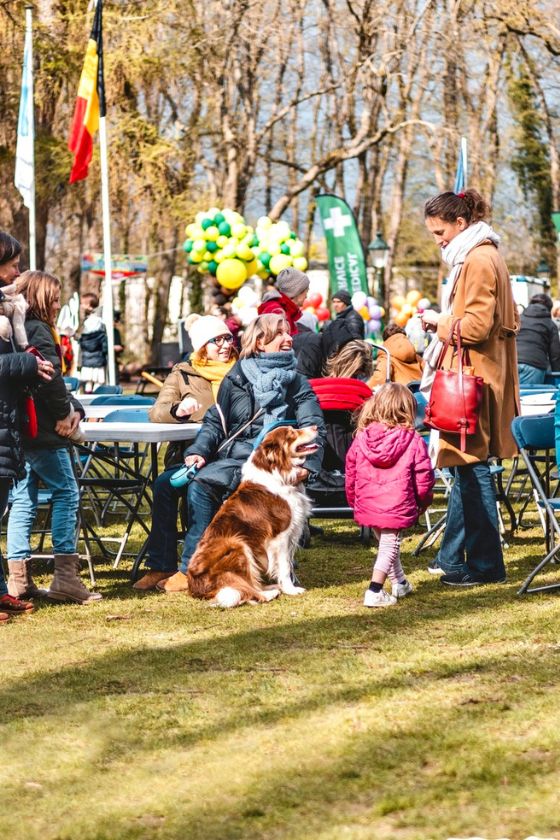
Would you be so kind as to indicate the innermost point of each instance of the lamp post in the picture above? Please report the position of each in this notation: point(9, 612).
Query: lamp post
point(379, 251)
point(543, 271)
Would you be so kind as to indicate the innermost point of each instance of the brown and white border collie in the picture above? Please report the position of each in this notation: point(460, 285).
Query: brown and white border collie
point(255, 533)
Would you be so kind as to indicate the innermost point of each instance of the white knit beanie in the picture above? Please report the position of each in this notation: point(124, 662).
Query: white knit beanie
point(205, 328)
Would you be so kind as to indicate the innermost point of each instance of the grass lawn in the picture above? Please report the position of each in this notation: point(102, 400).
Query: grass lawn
point(311, 717)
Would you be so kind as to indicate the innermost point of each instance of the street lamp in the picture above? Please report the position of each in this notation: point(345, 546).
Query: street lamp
point(379, 251)
point(543, 271)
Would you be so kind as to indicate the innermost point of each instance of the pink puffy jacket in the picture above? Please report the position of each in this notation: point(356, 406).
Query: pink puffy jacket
point(389, 476)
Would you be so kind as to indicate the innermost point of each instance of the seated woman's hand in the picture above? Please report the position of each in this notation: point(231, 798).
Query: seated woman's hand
point(195, 459)
point(187, 406)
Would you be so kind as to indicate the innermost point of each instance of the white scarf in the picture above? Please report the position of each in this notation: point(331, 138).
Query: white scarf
point(454, 254)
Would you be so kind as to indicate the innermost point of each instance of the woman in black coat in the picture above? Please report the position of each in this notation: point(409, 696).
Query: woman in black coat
point(263, 387)
point(17, 371)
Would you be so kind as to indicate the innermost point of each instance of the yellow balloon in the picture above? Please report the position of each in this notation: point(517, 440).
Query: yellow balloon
point(231, 274)
point(296, 248)
point(238, 230)
point(190, 230)
point(381, 310)
point(397, 301)
point(264, 223)
point(413, 297)
point(300, 263)
point(222, 241)
point(219, 256)
point(199, 245)
point(211, 233)
point(274, 249)
point(364, 312)
point(196, 256)
point(244, 252)
point(279, 262)
point(251, 268)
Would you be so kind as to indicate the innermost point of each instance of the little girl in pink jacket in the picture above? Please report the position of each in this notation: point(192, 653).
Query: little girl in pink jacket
point(389, 482)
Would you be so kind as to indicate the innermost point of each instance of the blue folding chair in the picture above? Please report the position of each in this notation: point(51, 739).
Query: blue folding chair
point(108, 389)
point(72, 383)
point(535, 437)
point(122, 400)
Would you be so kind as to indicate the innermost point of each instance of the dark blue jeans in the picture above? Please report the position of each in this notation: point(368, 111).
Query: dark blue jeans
point(162, 542)
point(202, 505)
point(471, 541)
point(5, 484)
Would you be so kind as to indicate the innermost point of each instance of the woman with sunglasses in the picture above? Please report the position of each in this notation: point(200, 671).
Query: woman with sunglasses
point(187, 393)
point(262, 388)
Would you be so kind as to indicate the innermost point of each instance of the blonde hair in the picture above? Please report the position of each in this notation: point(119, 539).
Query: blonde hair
point(263, 328)
point(39, 290)
point(354, 360)
point(391, 404)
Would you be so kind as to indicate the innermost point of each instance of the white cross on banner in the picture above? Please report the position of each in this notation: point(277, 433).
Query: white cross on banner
point(338, 222)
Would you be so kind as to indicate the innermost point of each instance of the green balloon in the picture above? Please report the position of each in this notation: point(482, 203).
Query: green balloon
point(293, 235)
point(204, 265)
point(211, 246)
point(224, 228)
point(284, 249)
point(206, 223)
point(213, 267)
point(254, 241)
point(219, 218)
point(265, 258)
point(187, 246)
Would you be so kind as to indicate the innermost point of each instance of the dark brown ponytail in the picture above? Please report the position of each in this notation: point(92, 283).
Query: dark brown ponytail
point(449, 206)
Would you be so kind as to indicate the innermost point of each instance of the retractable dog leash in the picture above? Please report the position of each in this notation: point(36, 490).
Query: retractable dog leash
point(182, 476)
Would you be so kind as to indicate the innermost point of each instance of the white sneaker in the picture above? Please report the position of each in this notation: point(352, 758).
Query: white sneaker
point(379, 599)
point(399, 590)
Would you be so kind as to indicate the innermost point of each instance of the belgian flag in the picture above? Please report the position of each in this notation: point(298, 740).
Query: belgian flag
point(90, 104)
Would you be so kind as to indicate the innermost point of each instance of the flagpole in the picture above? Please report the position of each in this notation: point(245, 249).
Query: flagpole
point(32, 217)
point(465, 161)
point(108, 315)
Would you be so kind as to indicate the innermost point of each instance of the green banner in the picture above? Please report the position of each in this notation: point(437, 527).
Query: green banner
point(347, 266)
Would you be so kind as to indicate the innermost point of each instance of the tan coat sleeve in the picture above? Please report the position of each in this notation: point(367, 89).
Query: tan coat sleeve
point(479, 286)
point(173, 391)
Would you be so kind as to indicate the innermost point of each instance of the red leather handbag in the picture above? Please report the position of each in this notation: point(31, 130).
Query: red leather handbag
point(456, 396)
point(30, 427)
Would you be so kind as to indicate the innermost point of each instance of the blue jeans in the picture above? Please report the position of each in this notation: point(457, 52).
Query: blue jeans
point(5, 484)
point(162, 542)
point(202, 507)
point(54, 468)
point(472, 527)
point(529, 375)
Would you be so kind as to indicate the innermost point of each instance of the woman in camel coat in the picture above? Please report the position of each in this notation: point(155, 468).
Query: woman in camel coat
point(481, 297)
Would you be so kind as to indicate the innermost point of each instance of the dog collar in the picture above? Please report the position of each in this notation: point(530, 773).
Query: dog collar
point(266, 429)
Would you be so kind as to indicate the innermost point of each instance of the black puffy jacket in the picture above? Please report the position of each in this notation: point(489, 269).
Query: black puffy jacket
point(52, 400)
point(538, 344)
point(93, 348)
point(308, 348)
point(16, 371)
point(238, 405)
point(347, 326)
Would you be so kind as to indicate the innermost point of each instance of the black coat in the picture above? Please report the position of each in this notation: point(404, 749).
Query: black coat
point(52, 400)
point(347, 326)
point(16, 371)
point(94, 348)
point(308, 348)
point(538, 344)
point(238, 405)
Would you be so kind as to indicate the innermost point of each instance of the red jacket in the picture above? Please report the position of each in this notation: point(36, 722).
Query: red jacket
point(389, 476)
point(280, 304)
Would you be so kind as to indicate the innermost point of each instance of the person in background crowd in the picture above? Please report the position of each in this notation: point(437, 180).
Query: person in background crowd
point(347, 326)
point(118, 343)
point(538, 345)
point(287, 296)
point(405, 364)
point(481, 298)
point(308, 346)
point(188, 392)
point(354, 360)
point(263, 387)
point(47, 458)
point(556, 314)
point(93, 345)
point(18, 371)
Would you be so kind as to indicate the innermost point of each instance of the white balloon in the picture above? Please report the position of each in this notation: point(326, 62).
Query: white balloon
point(247, 295)
point(359, 299)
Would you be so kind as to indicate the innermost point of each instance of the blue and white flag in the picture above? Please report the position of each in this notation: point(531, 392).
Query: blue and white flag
point(25, 162)
point(461, 174)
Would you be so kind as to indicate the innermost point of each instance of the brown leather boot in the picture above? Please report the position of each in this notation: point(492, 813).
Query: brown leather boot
point(149, 581)
point(176, 583)
point(66, 584)
point(20, 582)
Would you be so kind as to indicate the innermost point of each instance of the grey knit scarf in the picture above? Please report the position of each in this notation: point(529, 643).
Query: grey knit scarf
point(270, 374)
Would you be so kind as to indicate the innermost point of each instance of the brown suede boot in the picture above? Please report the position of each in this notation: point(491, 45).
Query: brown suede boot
point(66, 584)
point(20, 582)
point(149, 581)
point(176, 583)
